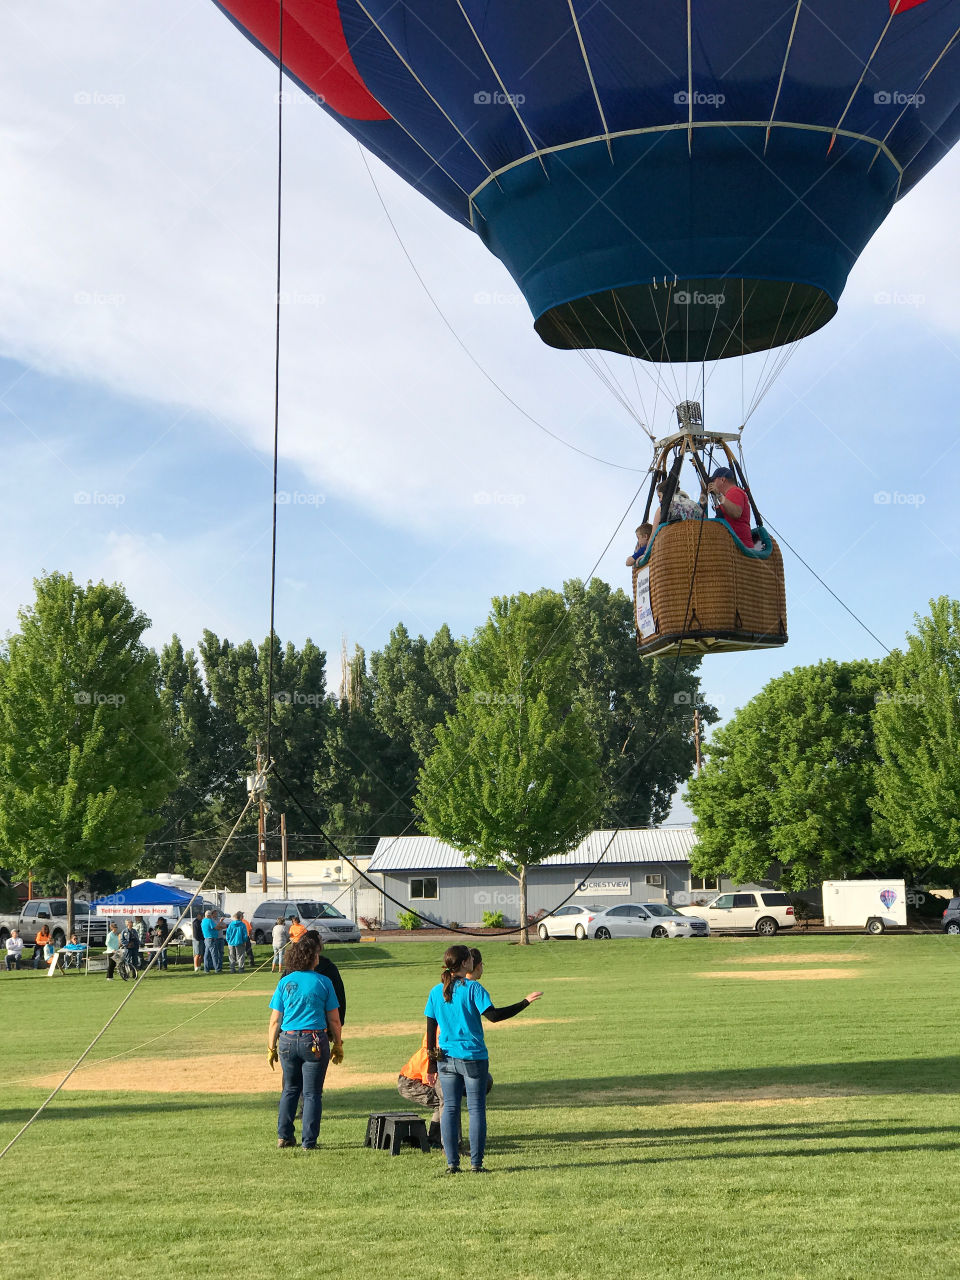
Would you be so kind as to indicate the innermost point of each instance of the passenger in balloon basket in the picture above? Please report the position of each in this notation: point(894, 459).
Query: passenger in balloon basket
point(644, 532)
point(682, 507)
point(732, 504)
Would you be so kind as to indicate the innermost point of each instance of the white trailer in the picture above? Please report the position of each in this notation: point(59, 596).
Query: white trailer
point(874, 905)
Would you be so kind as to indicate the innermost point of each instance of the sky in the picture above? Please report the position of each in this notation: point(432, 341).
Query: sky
point(138, 153)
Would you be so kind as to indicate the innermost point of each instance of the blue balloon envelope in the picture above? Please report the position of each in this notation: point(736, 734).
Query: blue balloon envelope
point(674, 181)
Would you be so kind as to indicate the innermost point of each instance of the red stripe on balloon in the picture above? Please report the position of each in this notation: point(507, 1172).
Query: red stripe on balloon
point(901, 6)
point(315, 50)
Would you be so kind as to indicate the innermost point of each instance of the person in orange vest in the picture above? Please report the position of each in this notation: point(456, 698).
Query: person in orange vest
point(297, 930)
point(41, 940)
point(249, 944)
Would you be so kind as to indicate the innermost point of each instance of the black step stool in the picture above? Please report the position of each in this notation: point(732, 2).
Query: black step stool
point(392, 1129)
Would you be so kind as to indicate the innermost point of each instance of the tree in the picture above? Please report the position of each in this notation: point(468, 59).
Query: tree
point(237, 676)
point(353, 778)
point(788, 780)
point(641, 711)
point(181, 836)
point(86, 756)
point(917, 726)
point(514, 776)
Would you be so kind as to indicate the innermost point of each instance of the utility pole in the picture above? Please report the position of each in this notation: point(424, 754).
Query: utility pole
point(696, 739)
point(283, 853)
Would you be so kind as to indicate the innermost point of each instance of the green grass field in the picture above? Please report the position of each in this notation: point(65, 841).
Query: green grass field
point(648, 1119)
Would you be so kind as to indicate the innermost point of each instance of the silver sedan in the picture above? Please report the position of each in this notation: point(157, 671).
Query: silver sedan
point(646, 920)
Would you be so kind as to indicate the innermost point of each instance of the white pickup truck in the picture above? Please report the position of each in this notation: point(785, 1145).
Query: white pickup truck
point(52, 912)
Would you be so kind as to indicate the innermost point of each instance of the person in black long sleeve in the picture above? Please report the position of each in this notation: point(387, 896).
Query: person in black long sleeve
point(458, 1053)
point(327, 969)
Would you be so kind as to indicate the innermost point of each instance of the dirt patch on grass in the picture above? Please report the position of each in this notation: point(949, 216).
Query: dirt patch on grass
point(782, 975)
point(217, 1073)
point(815, 958)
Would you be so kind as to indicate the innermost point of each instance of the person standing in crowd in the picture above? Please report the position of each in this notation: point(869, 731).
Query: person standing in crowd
point(130, 941)
point(458, 1053)
point(199, 945)
point(14, 947)
point(212, 961)
point(279, 939)
point(327, 969)
point(297, 930)
point(39, 942)
point(305, 1033)
point(248, 946)
point(237, 942)
point(113, 949)
point(161, 933)
point(143, 933)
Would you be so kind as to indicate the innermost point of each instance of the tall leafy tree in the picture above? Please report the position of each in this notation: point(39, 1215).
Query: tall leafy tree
point(353, 778)
point(514, 776)
point(917, 725)
point(237, 677)
point(788, 780)
point(86, 756)
point(641, 711)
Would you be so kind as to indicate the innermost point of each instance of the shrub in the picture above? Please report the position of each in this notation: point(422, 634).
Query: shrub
point(409, 920)
point(493, 919)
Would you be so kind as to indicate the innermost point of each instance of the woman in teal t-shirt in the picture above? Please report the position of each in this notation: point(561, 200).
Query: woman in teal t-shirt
point(305, 1034)
point(458, 1054)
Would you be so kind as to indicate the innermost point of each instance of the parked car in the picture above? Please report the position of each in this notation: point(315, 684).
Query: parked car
point(53, 913)
point(646, 920)
point(571, 921)
point(951, 916)
point(331, 924)
point(747, 911)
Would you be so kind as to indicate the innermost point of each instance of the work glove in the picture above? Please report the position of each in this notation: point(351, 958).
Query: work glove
point(336, 1054)
point(272, 1057)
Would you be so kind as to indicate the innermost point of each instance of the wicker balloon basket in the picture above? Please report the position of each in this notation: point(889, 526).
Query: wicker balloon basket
point(697, 593)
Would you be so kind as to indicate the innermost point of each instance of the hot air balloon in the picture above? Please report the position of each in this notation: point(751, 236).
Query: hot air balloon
point(679, 181)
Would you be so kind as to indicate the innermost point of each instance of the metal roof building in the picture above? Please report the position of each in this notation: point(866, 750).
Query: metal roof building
point(434, 879)
point(626, 846)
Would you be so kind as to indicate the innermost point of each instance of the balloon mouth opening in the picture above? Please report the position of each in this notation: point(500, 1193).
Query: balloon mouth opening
point(688, 320)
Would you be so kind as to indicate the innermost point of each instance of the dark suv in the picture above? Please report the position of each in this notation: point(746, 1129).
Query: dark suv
point(951, 916)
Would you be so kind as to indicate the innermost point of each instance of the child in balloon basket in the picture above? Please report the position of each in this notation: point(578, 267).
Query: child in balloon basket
point(457, 1053)
point(644, 533)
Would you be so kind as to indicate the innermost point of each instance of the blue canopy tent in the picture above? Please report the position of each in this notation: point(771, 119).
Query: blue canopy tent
point(146, 898)
point(152, 899)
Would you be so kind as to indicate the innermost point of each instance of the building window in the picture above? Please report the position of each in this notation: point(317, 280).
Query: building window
point(425, 888)
point(704, 882)
point(656, 878)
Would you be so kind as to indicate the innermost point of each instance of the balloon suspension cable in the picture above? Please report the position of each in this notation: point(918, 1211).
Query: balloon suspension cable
point(276, 388)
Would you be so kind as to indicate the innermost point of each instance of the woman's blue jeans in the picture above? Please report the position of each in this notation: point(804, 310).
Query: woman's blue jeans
point(303, 1072)
point(459, 1078)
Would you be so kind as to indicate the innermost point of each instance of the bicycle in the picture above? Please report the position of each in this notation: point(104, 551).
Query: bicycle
point(125, 966)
